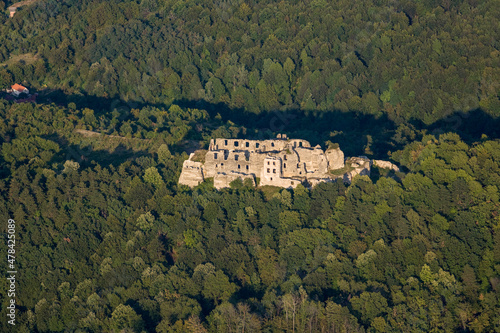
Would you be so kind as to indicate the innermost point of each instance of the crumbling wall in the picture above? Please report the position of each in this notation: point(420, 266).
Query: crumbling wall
point(314, 160)
point(291, 166)
point(271, 173)
point(222, 180)
point(257, 145)
point(227, 161)
point(281, 162)
point(361, 165)
point(192, 173)
point(335, 158)
point(315, 181)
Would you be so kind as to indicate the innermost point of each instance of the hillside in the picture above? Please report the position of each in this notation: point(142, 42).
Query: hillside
point(107, 240)
point(409, 61)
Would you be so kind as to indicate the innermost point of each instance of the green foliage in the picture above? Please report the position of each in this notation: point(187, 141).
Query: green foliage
point(370, 305)
point(135, 251)
point(153, 177)
point(356, 59)
point(217, 287)
point(164, 154)
point(71, 166)
point(145, 221)
point(110, 242)
point(191, 238)
point(31, 149)
point(124, 317)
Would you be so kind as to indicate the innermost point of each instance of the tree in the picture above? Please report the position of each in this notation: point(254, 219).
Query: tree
point(124, 317)
point(217, 287)
point(153, 177)
point(289, 220)
point(370, 305)
point(164, 155)
point(71, 166)
point(145, 221)
point(267, 263)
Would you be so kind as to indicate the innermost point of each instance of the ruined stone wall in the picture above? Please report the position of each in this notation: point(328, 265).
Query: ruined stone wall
point(227, 161)
point(282, 162)
point(271, 169)
point(335, 159)
point(315, 181)
point(257, 163)
point(272, 174)
point(314, 159)
point(212, 161)
point(361, 165)
point(238, 144)
point(257, 145)
point(222, 180)
point(291, 165)
point(192, 173)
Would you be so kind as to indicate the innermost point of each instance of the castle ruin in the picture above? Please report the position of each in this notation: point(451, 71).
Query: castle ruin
point(280, 162)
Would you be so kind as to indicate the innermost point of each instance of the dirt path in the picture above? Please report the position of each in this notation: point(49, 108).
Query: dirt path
point(12, 9)
point(88, 133)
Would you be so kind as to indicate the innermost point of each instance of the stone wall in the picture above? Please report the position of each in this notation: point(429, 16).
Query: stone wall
point(192, 173)
point(271, 174)
point(291, 164)
point(361, 166)
point(257, 145)
point(282, 162)
point(335, 158)
point(222, 180)
point(314, 161)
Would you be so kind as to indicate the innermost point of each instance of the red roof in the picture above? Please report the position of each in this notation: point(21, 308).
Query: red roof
point(18, 87)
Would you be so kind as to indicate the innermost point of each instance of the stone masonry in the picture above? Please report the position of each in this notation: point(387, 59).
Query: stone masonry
point(280, 162)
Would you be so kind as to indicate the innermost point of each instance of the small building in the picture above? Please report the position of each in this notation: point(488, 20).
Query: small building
point(12, 11)
point(17, 90)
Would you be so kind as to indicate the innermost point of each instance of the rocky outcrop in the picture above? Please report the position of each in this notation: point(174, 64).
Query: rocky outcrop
point(335, 158)
point(192, 173)
point(357, 166)
point(385, 165)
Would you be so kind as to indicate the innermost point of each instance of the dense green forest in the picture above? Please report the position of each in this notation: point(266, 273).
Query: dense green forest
point(107, 241)
point(419, 60)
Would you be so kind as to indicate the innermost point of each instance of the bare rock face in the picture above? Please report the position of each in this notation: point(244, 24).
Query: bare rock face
point(335, 158)
point(359, 166)
point(192, 173)
point(385, 165)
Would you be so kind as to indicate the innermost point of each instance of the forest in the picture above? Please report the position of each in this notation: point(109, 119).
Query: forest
point(408, 60)
point(106, 239)
point(108, 242)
